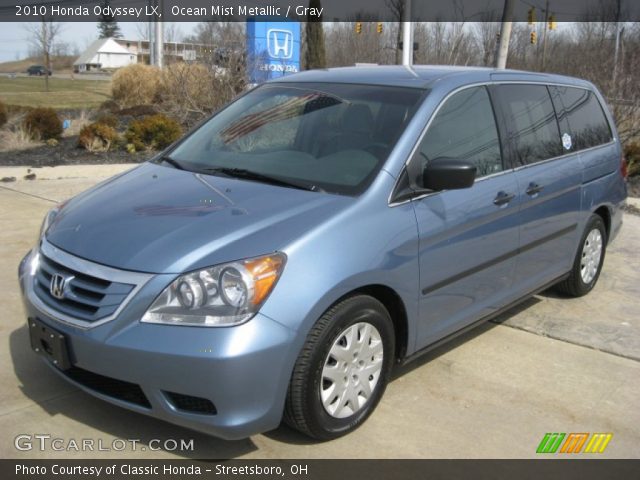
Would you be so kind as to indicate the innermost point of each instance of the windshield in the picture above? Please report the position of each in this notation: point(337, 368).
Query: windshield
point(323, 137)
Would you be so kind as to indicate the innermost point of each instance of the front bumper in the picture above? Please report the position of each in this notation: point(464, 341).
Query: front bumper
point(243, 370)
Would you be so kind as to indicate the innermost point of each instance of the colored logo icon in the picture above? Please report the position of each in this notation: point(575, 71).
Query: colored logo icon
point(280, 43)
point(574, 443)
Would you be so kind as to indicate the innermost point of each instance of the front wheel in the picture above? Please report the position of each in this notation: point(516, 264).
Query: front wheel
point(589, 259)
point(342, 370)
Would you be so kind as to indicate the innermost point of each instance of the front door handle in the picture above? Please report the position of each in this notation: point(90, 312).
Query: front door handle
point(503, 198)
point(533, 189)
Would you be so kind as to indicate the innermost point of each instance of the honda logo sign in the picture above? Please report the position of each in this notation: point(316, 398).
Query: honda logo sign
point(273, 48)
point(280, 43)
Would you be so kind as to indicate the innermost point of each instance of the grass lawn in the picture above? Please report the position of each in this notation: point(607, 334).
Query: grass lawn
point(63, 92)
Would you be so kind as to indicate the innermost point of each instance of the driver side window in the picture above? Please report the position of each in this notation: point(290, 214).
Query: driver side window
point(464, 129)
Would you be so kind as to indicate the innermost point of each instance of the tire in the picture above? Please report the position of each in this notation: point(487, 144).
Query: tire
point(588, 262)
point(329, 345)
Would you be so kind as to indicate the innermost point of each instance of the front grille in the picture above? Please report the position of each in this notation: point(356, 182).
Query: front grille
point(187, 403)
point(112, 387)
point(86, 297)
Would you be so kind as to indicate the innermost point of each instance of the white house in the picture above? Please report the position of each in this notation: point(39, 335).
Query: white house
point(104, 53)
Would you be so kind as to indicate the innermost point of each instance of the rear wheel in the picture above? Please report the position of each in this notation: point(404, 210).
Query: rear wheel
point(589, 259)
point(342, 370)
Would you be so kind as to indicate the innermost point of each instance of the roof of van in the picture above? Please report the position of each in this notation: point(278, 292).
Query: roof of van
point(421, 76)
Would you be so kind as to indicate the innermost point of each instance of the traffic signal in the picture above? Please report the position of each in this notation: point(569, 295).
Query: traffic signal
point(379, 27)
point(552, 22)
point(534, 38)
point(531, 16)
point(358, 27)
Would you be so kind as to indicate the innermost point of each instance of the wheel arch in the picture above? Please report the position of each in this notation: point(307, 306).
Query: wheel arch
point(604, 212)
point(396, 308)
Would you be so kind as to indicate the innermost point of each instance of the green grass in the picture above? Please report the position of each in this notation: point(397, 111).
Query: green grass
point(63, 93)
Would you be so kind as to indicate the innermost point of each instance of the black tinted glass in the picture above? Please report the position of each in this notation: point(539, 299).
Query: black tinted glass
point(581, 117)
point(465, 129)
point(531, 120)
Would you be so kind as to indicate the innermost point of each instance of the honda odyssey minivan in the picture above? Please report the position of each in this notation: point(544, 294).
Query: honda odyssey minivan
point(279, 260)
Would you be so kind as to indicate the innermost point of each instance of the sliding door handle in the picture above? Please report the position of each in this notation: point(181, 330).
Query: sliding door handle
point(533, 189)
point(503, 198)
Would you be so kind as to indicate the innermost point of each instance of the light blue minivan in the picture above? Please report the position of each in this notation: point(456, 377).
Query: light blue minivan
point(279, 260)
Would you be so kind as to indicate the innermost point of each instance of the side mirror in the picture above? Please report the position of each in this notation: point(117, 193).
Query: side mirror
point(444, 173)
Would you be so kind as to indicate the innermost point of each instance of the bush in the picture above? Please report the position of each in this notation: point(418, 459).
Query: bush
point(3, 114)
point(108, 119)
point(189, 92)
point(135, 85)
point(97, 137)
point(15, 138)
point(43, 123)
point(153, 132)
point(110, 106)
point(632, 154)
point(186, 88)
point(138, 111)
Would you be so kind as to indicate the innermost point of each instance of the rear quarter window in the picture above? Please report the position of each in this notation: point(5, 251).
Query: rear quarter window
point(530, 118)
point(581, 116)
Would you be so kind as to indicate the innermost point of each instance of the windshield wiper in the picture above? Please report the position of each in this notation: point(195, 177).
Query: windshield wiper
point(260, 177)
point(172, 162)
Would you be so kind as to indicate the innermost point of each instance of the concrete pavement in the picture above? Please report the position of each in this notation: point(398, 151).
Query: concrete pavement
point(551, 365)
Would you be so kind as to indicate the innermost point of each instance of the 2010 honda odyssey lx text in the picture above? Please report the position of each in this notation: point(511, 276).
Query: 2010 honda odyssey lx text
point(282, 257)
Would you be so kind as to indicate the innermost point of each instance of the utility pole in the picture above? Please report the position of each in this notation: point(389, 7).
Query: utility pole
point(152, 60)
point(545, 27)
point(505, 35)
point(159, 38)
point(407, 35)
point(616, 52)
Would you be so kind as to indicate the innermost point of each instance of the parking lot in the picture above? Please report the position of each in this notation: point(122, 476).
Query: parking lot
point(550, 365)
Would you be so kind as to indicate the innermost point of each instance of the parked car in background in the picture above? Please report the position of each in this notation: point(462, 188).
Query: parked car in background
point(38, 70)
point(279, 260)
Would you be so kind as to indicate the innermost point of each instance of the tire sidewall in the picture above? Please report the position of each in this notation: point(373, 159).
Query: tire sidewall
point(359, 309)
point(594, 222)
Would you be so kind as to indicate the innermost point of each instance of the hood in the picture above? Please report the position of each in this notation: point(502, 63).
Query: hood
point(162, 220)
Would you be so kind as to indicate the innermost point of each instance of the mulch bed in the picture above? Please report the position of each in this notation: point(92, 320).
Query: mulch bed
point(68, 153)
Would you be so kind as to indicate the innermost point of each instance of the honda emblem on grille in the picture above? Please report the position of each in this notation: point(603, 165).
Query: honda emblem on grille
point(58, 286)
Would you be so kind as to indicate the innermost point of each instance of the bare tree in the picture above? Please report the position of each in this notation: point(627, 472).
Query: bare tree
point(172, 32)
point(487, 32)
point(142, 30)
point(396, 7)
point(42, 36)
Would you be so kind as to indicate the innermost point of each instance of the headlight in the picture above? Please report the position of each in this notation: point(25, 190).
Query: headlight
point(218, 296)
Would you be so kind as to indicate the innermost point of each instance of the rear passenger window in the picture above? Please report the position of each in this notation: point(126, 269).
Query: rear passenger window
point(531, 121)
point(464, 128)
point(581, 116)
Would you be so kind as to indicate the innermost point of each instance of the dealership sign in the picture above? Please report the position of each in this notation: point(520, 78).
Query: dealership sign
point(273, 48)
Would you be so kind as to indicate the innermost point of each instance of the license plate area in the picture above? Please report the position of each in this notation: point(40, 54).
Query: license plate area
point(49, 343)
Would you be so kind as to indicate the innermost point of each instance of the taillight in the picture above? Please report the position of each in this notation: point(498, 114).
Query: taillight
point(623, 167)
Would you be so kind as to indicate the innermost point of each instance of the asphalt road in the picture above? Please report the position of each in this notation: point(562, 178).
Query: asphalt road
point(550, 365)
